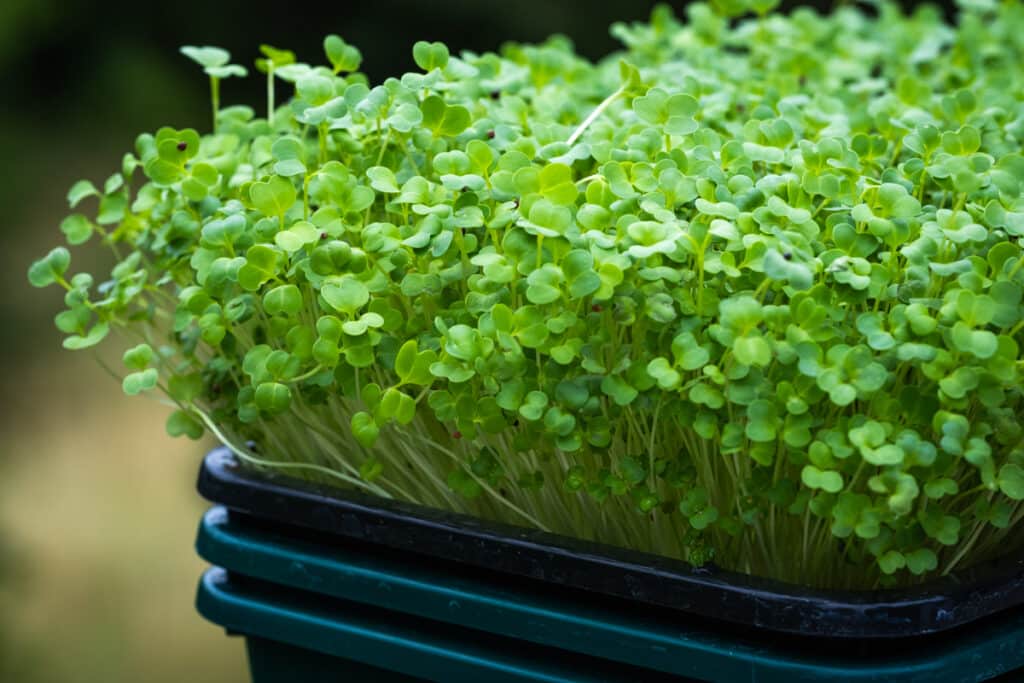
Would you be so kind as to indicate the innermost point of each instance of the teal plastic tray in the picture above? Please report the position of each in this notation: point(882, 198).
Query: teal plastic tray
point(318, 609)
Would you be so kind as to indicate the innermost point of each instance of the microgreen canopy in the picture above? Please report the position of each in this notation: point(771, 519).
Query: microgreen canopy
point(749, 291)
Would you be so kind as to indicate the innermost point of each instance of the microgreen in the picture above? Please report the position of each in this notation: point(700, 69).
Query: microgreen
point(750, 292)
point(215, 63)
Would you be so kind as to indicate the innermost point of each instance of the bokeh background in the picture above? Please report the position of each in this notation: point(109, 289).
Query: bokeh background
point(97, 508)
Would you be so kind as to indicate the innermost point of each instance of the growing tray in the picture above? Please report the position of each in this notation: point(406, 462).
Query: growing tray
point(491, 547)
point(437, 619)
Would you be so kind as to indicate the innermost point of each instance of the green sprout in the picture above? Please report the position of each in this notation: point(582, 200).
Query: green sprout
point(271, 60)
point(750, 291)
point(215, 63)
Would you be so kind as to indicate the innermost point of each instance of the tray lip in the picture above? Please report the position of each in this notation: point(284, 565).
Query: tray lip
point(934, 607)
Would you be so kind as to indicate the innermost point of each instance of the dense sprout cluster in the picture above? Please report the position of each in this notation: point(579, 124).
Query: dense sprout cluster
point(749, 291)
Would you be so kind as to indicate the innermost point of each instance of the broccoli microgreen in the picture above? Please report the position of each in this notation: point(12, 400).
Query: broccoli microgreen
point(751, 291)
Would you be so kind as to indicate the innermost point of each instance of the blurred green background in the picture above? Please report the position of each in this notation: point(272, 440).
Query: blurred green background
point(97, 508)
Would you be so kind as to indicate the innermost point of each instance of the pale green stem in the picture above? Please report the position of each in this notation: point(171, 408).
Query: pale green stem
point(215, 99)
point(507, 503)
point(607, 102)
point(278, 464)
point(270, 93)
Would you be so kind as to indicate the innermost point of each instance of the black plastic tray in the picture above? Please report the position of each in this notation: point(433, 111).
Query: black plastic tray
point(711, 592)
